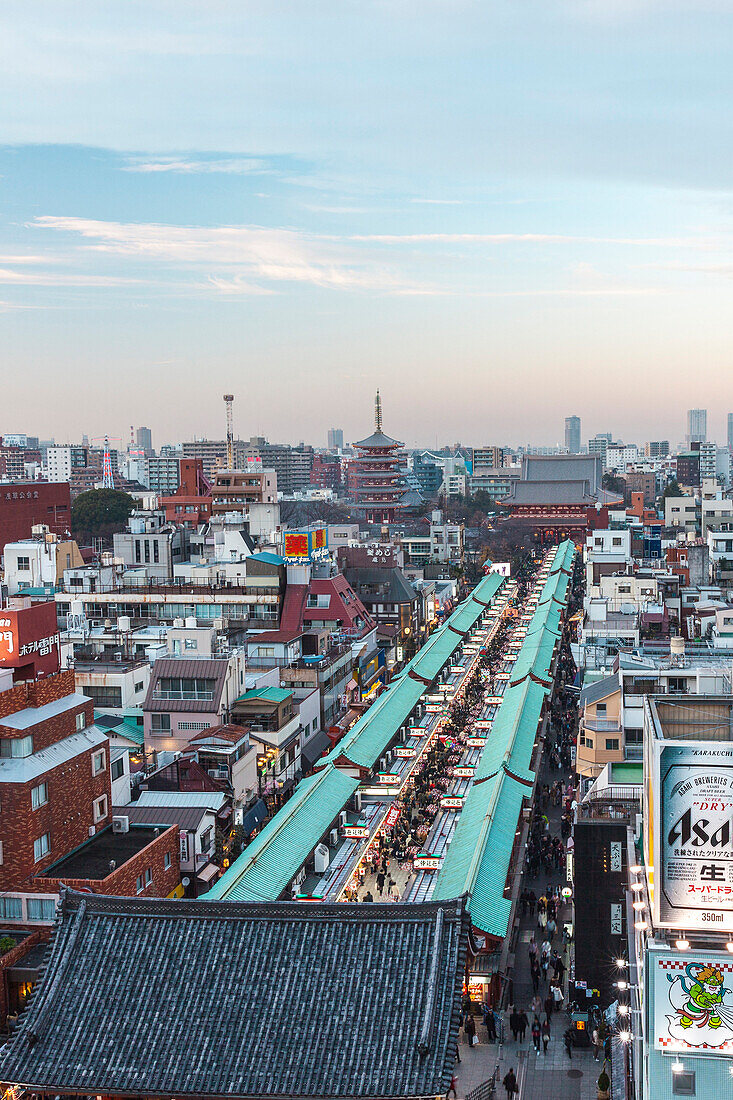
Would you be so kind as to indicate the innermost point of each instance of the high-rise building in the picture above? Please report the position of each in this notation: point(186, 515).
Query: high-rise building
point(144, 439)
point(730, 430)
point(490, 456)
point(657, 448)
point(335, 439)
point(697, 425)
point(599, 446)
point(572, 434)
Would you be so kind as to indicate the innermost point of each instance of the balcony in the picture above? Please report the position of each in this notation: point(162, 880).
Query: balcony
point(602, 725)
point(188, 696)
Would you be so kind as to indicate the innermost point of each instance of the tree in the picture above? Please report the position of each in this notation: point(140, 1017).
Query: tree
point(672, 489)
point(98, 513)
point(613, 484)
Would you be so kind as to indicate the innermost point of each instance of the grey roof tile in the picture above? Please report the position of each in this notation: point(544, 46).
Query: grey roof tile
point(244, 1000)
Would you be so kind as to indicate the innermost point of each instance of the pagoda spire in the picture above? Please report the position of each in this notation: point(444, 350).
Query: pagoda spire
point(378, 413)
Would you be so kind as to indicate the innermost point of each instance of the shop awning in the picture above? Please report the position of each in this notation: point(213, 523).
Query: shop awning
point(209, 872)
point(314, 749)
point(255, 816)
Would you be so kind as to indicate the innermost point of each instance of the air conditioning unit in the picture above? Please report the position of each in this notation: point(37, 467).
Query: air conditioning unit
point(342, 819)
point(357, 801)
point(333, 837)
point(92, 831)
point(120, 824)
point(322, 856)
point(382, 764)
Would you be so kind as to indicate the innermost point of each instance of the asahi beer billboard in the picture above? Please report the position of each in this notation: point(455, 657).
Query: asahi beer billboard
point(692, 1001)
point(694, 835)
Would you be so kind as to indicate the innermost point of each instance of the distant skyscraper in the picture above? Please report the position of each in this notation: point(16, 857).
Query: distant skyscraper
point(730, 429)
point(144, 439)
point(697, 425)
point(599, 446)
point(572, 434)
point(335, 439)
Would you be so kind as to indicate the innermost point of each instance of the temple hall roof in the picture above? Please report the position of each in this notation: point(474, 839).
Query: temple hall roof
point(151, 997)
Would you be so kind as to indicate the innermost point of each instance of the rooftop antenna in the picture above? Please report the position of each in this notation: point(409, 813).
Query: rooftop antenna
point(228, 402)
point(378, 413)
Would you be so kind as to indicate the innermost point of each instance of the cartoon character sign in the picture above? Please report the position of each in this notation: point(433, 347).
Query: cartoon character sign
point(702, 1012)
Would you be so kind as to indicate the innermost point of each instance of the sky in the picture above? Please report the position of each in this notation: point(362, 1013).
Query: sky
point(500, 214)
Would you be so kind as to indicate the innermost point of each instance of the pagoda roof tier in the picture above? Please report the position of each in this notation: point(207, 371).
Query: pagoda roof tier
point(377, 440)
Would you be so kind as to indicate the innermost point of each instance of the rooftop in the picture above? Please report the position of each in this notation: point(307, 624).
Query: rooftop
point(363, 1000)
point(265, 695)
point(91, 860)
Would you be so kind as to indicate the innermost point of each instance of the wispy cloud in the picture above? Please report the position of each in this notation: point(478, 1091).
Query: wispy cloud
point(524, 238)
point(438, 202)
point(55, 278)
point(239, 166)
point(235, 258)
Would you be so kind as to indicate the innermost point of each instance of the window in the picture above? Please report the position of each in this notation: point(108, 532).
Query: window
point(156, 551)
point(139, 686)
point(148, 876)
point(103, 696)
point(147, 551)
point(81, 721)
point(190, 643)
point(100, 808)
point(616, 542)
point(39, 795)
point(24, 565)
point(1, 852)
point(97, 762)
point(137, 551)
point(207, 839)
point(160, 723)
point(16, 747)
point(167, 860)
point(11, 908)
point(611, 744)
point(683, 1084)
point(588, 742)
point(41, 909)
point(117, 767)
point(41, 847)
point(139, 884)
point(601, 708)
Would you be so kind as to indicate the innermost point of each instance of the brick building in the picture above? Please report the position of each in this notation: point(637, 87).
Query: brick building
point(23, 504)
point(55, 792)
point(191, 503)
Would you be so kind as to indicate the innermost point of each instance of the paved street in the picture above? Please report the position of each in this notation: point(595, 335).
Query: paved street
point(541, 1077)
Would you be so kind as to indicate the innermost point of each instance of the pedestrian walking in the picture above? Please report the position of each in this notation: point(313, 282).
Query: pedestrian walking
point(470, 1030)
point(380, 883)
point(557, 996)
point(536, 1034)
point(490, 1023)
point(568, 1040)
point(523, 1025)
point(551, 929)
point(510, 1084)
point(514, 1023)
point(546, 1035)
point(453, 1088)
point(549, 1005)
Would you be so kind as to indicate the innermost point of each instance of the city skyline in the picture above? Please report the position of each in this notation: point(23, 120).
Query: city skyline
point(523, 201)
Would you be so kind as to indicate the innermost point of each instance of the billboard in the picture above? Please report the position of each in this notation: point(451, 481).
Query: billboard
point(692, 1001)
point(692, 842)
point(29, 637)
point(305, 545)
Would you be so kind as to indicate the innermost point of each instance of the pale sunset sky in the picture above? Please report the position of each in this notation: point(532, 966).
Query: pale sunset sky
point(501, 213)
